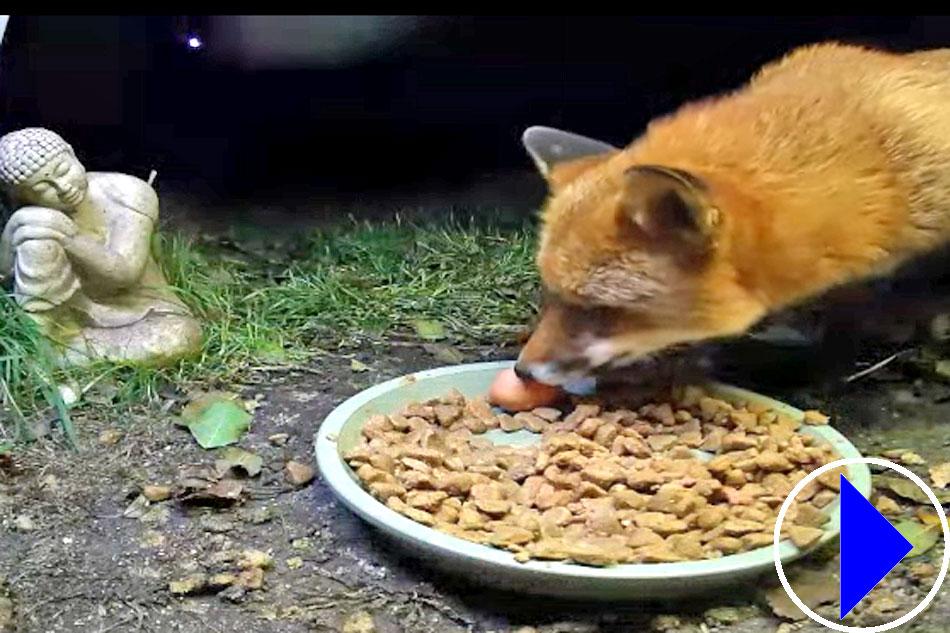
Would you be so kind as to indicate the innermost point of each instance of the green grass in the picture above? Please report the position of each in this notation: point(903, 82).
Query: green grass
point(337, 287)
point(27, 376)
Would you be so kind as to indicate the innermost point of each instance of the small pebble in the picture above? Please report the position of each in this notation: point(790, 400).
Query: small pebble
point(254, 558)
point(110, 437)
point(299, 474)
point(278, 439)
point(157, 493)
point(188, 585)
point(24, 523)
point(359, 622)
point(252, 578)
point(294, 563)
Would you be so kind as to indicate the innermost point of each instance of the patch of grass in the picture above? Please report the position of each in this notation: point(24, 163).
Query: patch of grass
point(27, 376)
point(335, 287)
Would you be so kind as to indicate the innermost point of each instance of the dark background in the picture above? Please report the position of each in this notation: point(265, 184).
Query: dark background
point(442, 108)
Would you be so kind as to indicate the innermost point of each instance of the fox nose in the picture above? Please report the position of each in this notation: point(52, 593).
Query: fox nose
point(523, 372)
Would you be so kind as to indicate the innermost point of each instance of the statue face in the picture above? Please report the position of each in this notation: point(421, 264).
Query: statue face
point(60, 184)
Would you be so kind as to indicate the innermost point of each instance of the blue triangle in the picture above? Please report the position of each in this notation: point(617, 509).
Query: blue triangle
point(870, 547)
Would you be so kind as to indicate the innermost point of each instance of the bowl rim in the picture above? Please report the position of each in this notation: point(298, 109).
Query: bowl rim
point(337, 474)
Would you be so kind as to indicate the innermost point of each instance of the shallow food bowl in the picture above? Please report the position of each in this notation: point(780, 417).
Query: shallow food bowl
point(497, 568)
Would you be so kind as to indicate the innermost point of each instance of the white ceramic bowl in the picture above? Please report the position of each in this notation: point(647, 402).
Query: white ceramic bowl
point(498, 568)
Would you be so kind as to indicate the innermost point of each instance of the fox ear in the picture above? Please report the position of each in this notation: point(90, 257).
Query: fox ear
point(669, 204)
point(549, 148)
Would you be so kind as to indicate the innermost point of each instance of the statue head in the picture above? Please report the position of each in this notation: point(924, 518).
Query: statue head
point(37, 167)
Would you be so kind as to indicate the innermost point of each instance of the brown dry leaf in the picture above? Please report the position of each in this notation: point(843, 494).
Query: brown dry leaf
point(202, 484)
point(927, 516)
point(940, 475)
point(907, 489)
point(197, 476)
point(234, 457)
point(814, 587)
point(912, 459)
point(887, 506)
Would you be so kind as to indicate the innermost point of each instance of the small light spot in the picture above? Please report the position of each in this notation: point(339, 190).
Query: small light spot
point(194, 42)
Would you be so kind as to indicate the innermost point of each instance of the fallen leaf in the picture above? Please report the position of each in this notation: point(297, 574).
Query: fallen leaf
point(233, 457)
point(294, 563)
point(193, 410)
point(444, 353)
point(921, 536)
point(429, 330)
point(912, 459)
point(812, 586)
point(203, 484)
point(358, 367)
point(887, 506)
point(927, 516)
point(226, 490)
point(907, 489)
point(197, 476)
point(940, 475)
point(221, 423)
point(894, 453)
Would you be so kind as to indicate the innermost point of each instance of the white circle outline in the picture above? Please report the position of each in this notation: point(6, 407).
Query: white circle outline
point(885, 464)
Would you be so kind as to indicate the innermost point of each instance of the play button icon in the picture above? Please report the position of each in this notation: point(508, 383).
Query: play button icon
point(870, 547)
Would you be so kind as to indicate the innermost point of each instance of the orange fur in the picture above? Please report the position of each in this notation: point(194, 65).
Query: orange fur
point(831, 165)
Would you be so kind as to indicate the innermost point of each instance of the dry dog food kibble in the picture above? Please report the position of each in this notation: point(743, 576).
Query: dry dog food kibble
point(602, 486)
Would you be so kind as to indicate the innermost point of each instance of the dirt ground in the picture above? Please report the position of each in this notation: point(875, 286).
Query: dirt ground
point(71, 561)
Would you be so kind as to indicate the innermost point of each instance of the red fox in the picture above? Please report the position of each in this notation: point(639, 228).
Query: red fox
point(831, 166)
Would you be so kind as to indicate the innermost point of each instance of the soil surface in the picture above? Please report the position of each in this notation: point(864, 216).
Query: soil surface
point(75, 558)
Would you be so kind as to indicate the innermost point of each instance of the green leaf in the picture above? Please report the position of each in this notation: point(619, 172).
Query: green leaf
point(194, 409)
point(6, 446)
point(221, 423)
point(921, 536)
point(234, 457)
point(429, 330)
point(357, 366)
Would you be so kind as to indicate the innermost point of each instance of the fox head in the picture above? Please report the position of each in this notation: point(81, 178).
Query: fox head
point(634, 259)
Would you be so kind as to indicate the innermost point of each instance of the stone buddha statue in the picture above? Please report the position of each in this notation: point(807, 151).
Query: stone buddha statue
point(77, 249)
